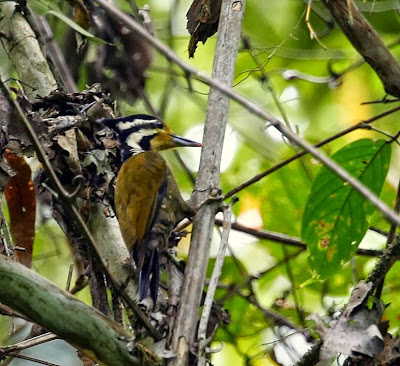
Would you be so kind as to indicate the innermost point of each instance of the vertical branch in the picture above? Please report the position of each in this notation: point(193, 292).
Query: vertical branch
point(22, 47)
point(6, 242)
point(389, 241)
point(217, 114)
point(212, 287)
point(60, 67)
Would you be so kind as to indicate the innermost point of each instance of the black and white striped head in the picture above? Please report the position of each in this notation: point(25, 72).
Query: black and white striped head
point(139, 133)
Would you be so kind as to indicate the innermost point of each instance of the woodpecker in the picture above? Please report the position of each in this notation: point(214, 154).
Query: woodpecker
point(147, 200)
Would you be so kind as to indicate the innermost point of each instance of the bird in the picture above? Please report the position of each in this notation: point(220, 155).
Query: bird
point(147, 199)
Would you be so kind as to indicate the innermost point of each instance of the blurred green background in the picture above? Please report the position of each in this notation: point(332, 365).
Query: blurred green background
point(317, 105)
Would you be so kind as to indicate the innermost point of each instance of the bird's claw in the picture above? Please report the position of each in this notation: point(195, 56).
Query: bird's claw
point(214, 195)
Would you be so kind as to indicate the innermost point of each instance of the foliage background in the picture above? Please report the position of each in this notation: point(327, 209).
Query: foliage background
point(281, 41)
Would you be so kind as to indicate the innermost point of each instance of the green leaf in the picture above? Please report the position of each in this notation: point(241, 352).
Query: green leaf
point(336, 216)
point(76, 27)
point(42, 7)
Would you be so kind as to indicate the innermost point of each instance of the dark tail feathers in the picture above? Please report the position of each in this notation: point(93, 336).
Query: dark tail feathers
point(151, 268)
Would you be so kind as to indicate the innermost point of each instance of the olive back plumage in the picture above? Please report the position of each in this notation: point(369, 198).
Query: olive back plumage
point(137, 194)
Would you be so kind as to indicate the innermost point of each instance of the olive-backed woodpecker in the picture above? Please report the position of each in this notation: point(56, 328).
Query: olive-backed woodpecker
point(146, 193)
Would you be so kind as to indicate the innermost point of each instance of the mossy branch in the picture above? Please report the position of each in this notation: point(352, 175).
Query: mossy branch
point(61, 313)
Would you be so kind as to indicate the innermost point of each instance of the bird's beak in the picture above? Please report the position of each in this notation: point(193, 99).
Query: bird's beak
point(180, 141)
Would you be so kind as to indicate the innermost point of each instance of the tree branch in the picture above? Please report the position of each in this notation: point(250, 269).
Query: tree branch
point(213, 284)
point(386, 261)
point(229, 30)
point(21, 45)
point(61, 313)
point(367, 42)
point(361, 124)
point(28, 343)
point(55, 54)
point(287, 239)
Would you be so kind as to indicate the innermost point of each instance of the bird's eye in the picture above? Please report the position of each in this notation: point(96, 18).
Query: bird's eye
point(159, 124)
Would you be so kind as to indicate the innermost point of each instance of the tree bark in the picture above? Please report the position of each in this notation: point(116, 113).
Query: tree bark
point(229, 31)
point(61, 313)
point(22, 47)
point(367, 42)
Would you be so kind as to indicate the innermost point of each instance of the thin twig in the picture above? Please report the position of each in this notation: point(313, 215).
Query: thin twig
point(277, 264)
point(33, 359)
point(5, 232)
point(265, 80)
point(212, 286)
point(302, 153)
point(319, 12)
point(287, 239)
point(313, 35)
point(296, 294)
point(69, 278)
point(31, 342)
point(277, 318)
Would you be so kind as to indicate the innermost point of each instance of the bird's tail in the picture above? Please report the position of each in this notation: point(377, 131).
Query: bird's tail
point(151, 268)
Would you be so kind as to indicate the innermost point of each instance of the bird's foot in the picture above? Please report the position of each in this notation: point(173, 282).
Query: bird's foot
point(214, 195)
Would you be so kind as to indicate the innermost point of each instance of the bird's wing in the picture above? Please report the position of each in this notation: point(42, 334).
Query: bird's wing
point(137, 199)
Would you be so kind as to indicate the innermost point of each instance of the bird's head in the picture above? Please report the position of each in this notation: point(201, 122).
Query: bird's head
point(139, 133)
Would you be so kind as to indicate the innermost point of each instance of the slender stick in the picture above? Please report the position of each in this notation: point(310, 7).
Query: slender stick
point(361, 124)
point(5, 232)
point(31, 342)
point(389, 240)
point(287, 239)
point(212, 286)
